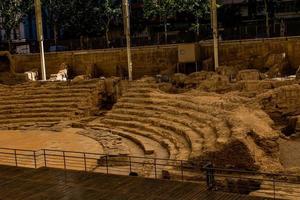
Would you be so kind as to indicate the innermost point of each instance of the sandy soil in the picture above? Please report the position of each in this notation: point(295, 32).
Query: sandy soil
point(290, 153)
point(66, 140)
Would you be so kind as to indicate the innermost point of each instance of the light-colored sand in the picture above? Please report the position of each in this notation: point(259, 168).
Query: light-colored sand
point(66, 140)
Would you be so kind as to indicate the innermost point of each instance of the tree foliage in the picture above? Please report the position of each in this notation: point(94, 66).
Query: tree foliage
point(80, 18)
point(12, 13)
point(55, 14)
point(166, 9)
point(162, 9)
point(198, 8)
point(109, 12)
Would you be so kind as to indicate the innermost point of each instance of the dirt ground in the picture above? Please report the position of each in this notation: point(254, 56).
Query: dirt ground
point(66, 140)
point(290, 153)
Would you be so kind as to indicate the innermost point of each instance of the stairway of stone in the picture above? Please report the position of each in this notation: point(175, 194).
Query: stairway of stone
point(161, 122)
point(47, 103)
point(283, 190)
point(298, 124)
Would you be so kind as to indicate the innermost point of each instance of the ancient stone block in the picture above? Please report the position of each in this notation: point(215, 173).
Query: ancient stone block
point(249, 74)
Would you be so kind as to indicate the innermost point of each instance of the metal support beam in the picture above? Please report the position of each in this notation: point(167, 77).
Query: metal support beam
point(126, 18)
point(40, 37)
point(214, 23)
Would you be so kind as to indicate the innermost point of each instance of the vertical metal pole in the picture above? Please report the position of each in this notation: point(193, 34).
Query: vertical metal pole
point(34, 157)
point(155, 171)
point(214, 22)
point(45, 158)
point(181, 166)
point(64, 156)
point(106, 161)
point(274, 187)
point(130, 167)
point(126, 19)
point(84, 157)
point(16, 159)
point(40, 36)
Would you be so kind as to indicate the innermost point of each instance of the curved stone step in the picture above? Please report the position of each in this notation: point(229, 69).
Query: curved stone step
point(17, 125)
point(138, 84)
point(14, 110)
point(153, 133)
point(194, 140)
point(203, 114)
point(206, 133)
point(179, 103)
point(176, 150)
point(144, 142)
point(31, 120)
point(54, 85)
point(283, 190)
point(202, 119)
point(22, 115)
point(60, 100)
point(278, 195)
point(55, 95)
point(40, 91)
point(176, 100)
point(39, 105)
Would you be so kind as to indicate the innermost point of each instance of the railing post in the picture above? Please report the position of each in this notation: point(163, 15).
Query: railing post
point(130, 167)
point(181, 167)
point(64, 156)
point(106, 161)
point(45, 158)
point(34, 157)
point(155, 168)
point(210, 177)
point(274, 189)
point(16, 159)
point(84, 157)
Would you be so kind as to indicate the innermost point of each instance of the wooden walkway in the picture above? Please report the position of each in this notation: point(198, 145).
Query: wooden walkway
point(37, 184)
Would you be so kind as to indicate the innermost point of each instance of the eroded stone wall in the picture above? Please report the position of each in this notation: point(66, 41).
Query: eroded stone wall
point(146, 60)
point(151, 60)
point(255, 51)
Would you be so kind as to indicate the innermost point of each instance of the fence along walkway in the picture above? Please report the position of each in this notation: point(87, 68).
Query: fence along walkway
point(275, 186)
point(45, 183)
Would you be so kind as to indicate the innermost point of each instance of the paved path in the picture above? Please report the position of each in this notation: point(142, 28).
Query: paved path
point(45, 183)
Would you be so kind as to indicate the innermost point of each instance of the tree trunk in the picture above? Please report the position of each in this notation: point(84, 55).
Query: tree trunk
point(55, 33)
point(9, 46)
point(197, 28)
point(267, 18)
point(107, 34)
point(107, 38)
point(8, 39)
point(166, 30)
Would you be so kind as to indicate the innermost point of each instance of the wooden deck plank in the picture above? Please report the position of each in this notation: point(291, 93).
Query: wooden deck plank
point(45, 183)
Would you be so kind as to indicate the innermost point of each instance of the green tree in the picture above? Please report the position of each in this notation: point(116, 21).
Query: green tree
point(12, 12)
point(55, 15)
point(270, 7)
point(164, 9)
point(198, 8)
point(80, 19)
point(109, 12)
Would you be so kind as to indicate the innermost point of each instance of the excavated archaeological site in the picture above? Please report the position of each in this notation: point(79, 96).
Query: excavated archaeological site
point(236, 118)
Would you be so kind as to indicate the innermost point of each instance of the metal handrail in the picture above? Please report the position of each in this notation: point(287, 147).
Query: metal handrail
point(122, 164)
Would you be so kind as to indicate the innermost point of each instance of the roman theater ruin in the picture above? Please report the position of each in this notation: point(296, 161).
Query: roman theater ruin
point(245, 115)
